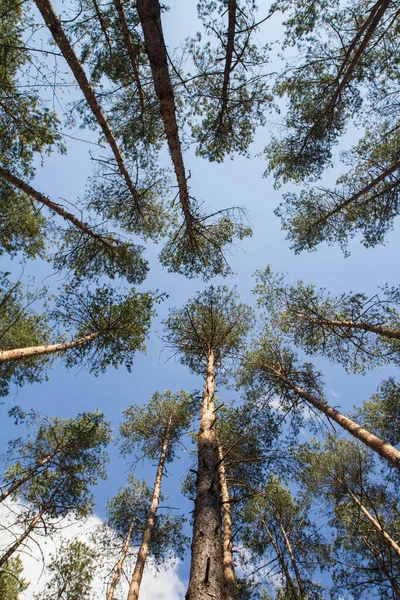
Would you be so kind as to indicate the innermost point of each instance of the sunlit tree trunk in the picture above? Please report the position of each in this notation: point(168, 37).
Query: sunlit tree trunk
point(33, 351)
point(387, 332)
point(23, 537)
point(229, 573)
point(136, 580)
point(206, 569)
point(120, 564)
point(293, 561)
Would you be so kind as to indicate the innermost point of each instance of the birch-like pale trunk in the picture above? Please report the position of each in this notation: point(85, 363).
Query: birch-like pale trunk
point(293, 561)
point(206, 569)
point(53, 23)
point(229, 572)
point(387, 332)
point(387, 451)
point(120, 564)
point(137, 575)
point(34, 351)
point(150, 18)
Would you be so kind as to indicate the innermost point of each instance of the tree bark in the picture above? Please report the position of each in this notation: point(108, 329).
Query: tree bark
point(229, 573)
point(206, 569)
point(387, 451)
point(293, 561)
point(120, 564)
point(150, 17)
point(372, 520)
point(228, 56)
point(33, 351)
point(53, 23)
point(23, 537)
point(136, 580)
point(384, 331)
point(25, 187)
point(131, 50)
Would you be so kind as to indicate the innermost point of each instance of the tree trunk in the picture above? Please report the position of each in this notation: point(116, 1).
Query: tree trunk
point(23, 537)
point(372, 520)
point(228, 56)
point(121, 561)
point(229, 573)
point(288, 577)
point(131, 50)
point(381, 564)
point(25, 187)
point(387, 451)
point(33, 351)
point(150, 17)
point(53, 23)
point(387, 332)
point(206, 569)
point(136, 580)
point(293, 561)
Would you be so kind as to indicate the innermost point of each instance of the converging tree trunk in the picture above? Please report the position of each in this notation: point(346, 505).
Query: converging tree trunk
point(120, 564)
point(53, 23)
point(206, 569)
point(150, 17)
point(136, 580)
point(382, 330)
point(387, 451)
point(292, 560)
point(229, 573)
point(33, 351)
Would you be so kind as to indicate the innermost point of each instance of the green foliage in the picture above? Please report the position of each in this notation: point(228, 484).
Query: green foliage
point(269, 517)
point(311, 318)
point(93, 258)
point(228, 84)
point(213, 320)
point(27, 126)
point(20, 327)
point(63, 483)
point(381, 413)
point(11, 582)
point(122, 320)
point(72, 572)
point(22, 226)
point(200, 250)
point(146, 427)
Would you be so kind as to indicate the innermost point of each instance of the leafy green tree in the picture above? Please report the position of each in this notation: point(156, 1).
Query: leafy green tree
point(357, 331)
point(62, 486)
point(108, 328)
point(206, 333)
point(72, 572)
point(339, 474)
point(228, 81)
point(346, 70)
point(11, 582)
point(277, 525)
point(52, 443)
point(20, 326)
point(154, 431)
point(381, 412)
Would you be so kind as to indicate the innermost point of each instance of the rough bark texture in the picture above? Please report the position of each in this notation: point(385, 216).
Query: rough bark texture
point(131, 50)
point(228, 56)
point(120, 564)
point(20, 353)
point(373, 521)
point(289, 581)
point(387, 332)
point(293, 561)
point(150, 17)
point(25, 187)
point(136, 580)
point(229, 572)
point(23, 537)
point(206, 569)
point(387, 451)
point(53, 23)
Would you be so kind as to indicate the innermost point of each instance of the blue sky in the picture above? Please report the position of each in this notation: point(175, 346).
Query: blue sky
point(237, 182)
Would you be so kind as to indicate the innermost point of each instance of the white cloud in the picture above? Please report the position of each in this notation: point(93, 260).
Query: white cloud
point(163, 584)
